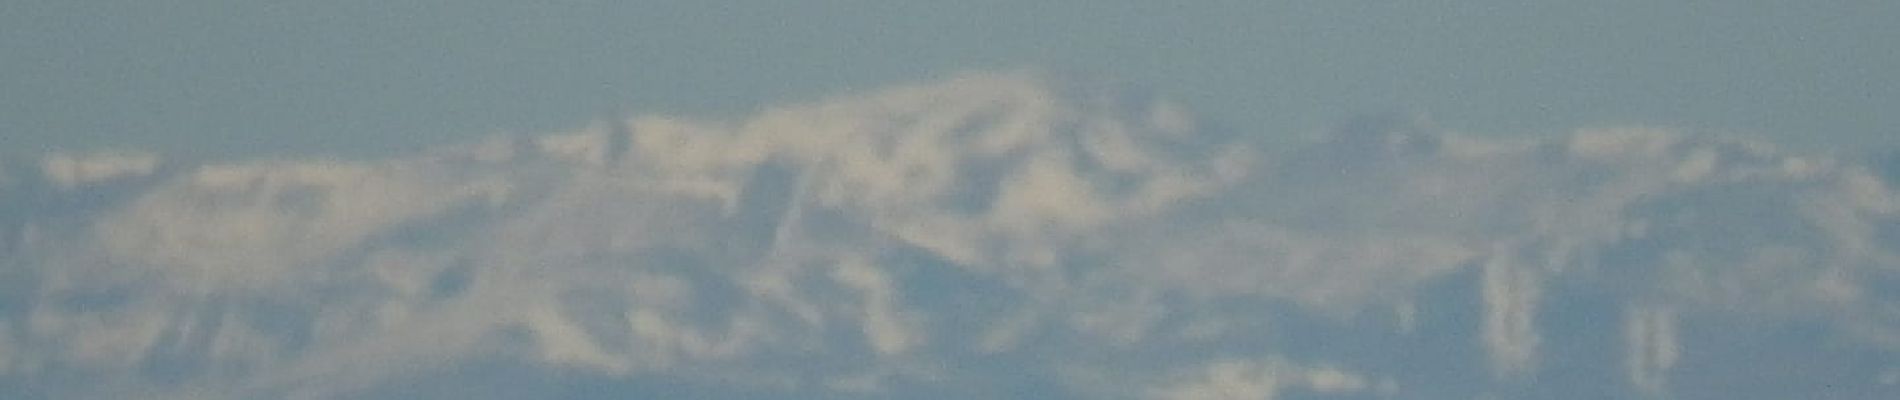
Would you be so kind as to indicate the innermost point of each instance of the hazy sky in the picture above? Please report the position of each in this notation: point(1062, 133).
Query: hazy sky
point(858, 200)
point(243, 78)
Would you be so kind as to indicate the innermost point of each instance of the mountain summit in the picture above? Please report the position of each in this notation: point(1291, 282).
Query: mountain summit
point(989, 235)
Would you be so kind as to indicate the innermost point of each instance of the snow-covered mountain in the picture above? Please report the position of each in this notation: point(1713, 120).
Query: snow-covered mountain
point(991, 235)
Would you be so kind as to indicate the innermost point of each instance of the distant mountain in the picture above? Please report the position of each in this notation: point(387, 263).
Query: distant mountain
point(1001, 236)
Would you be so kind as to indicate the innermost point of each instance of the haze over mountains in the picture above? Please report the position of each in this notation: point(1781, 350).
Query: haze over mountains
point(991, 235)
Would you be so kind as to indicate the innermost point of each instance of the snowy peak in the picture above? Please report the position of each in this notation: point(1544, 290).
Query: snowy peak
point(920, 238)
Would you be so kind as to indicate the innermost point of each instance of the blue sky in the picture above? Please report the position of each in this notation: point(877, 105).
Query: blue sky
point(234, 79)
